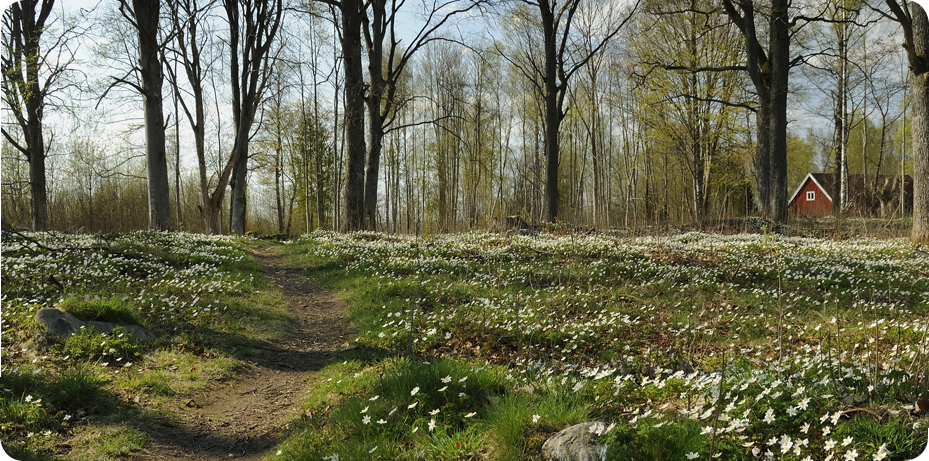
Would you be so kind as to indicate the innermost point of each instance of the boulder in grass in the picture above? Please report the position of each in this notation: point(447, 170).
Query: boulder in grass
point(62, 324)
point(576, 443)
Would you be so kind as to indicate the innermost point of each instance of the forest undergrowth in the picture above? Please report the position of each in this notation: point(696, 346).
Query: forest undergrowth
point(482, 346)
point(693, 346)
point(94, 396)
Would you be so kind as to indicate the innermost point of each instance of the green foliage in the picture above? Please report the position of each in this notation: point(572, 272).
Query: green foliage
point(442, 409)
point(77, 387)
point(89, 345)
point(671, 441)
point(802, 159)
point(898, 434)
point(890, 164)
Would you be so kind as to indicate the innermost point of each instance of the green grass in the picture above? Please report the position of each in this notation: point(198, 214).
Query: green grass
point(114, 441)
point(457, 409)
point(661, 316)
point(204, 297)
point(666, 442)
point(90, 346)
point(103, 310)
point(660, 338)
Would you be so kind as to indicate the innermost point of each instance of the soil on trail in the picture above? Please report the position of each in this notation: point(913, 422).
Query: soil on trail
point(245, 418)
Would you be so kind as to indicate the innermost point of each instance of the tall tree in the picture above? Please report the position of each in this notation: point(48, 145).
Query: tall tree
point(842, 9)
point(188, 46)
point(695, 111)
point(25, 94)
point(144, 16)
point(253, 25)
point(352, 14)
point(916, 42)
point(560, 61)
point(387, 60)
point(768, 67)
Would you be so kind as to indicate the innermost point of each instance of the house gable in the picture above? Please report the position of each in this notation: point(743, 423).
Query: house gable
point(804, 186)
point(811, 198)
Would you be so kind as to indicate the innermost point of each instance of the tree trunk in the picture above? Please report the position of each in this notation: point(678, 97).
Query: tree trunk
point(303, 146)
point(34, 106)
point(215, 202)
point(318, 154)
point(553, 113)
point(762, 160)
point(916, 43)
point(261, 22)
point(36, 146)
point(769, 74)
point(338, 136)
point(919, 95)
point(37, 182)
point(159, 203)
point(840, 176)
point(184, 17)
point(24, 92)
point(779, 66)
point(238, 183)
point(278, 172)
point(375, 49)
point(864, 133)
point(354, 117)
point(372, 166)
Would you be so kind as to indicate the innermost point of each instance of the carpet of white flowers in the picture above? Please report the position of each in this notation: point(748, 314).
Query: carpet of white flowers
point(68, 265)
point(760, 346)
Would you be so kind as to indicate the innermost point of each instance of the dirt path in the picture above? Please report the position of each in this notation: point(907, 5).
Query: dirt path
point(244, 419)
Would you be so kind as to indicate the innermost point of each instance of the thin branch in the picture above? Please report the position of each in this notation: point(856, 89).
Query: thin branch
point(15, 144)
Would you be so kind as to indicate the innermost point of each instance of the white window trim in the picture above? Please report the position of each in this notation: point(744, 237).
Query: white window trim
point(810, 195)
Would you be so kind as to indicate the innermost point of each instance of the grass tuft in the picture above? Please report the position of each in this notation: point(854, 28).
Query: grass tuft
point(100, 309)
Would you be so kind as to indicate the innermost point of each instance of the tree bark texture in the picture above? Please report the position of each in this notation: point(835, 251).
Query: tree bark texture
point(147, 15)
point(553, 114)
point(375, 47)
point(780, 68)
point(916, 42)
point(34, 102)
point(840, 181)
point(768, 70)
point(354, 118)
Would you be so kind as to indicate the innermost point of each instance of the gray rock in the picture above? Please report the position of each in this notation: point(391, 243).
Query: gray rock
point(62, 324)
point(576, 443)
point(58, 323)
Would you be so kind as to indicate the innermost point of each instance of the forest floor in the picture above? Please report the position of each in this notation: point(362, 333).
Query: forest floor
point(246, 417)
point(465, 346)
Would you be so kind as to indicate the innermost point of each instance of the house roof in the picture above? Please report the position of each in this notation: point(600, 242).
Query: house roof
point(856, 183)
point(813, 177)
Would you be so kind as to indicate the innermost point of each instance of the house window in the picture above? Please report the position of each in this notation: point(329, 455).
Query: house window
point(811, 196)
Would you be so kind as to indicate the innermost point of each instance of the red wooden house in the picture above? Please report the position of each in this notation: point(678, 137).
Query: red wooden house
point(814, 195)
